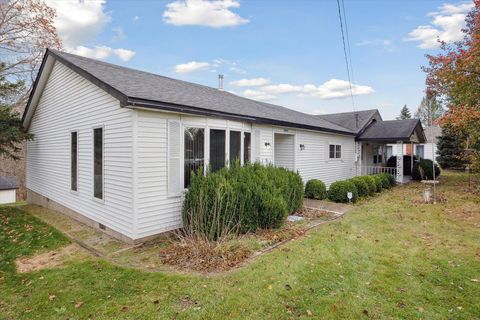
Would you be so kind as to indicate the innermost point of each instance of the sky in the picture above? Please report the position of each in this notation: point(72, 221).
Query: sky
point(283, 52)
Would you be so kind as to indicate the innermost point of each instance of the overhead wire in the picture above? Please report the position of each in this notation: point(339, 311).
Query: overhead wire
point(346, 56)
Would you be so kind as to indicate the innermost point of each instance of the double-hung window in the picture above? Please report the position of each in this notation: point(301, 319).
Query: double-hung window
point(194, 158)
point(335, 151)
point(247, 149)
point(73, 160)
point(98, 163)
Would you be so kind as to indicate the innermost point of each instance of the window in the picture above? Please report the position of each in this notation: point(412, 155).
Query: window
point(73, 160)
point(217, 149)
point(335, 151)
point(98, 163)
point(377, 154)
point(420, 151)
point(194, 157)
point(247, 147)
point(235, 146)
point(389, 151)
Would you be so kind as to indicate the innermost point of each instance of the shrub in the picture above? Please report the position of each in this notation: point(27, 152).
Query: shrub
point(240, 199)
point(372, 186)
point(407, 163)
point(423, 170)
point(362, 186)
point(385, 180)
point(338, 191)
point(378, 183)
point(315, 189)
point(390, 178)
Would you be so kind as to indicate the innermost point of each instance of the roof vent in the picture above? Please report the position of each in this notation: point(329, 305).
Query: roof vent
point(220, 82)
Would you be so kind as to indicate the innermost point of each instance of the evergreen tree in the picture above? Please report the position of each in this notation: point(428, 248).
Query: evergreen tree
point(450, 149)
point(404, 113)
point(12, 133)
point(429, 110)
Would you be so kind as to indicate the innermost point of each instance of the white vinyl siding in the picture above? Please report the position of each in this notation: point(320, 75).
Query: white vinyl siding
point(69, 103)
point(284, 151)
point(174, 152)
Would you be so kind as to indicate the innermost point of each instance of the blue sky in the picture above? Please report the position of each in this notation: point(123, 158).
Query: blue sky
point(283, 52)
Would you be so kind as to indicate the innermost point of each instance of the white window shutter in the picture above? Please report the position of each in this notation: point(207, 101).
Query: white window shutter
point(174, 152)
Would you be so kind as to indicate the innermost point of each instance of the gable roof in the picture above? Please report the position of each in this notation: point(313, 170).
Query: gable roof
point(136, 88)
point(393, 130)
point(8, 183)
point(348, 119)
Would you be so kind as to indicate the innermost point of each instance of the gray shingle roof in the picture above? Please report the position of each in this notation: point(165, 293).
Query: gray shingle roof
point(150, 90)
point(347, 119)
point(8, 183)
point(393, 130)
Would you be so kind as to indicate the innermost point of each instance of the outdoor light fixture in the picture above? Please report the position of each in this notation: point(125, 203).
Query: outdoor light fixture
point(267, 145)
point(302, 147)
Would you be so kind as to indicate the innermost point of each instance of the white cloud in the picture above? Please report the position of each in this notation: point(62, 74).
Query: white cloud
point(78, 22)
point(190, 67)
point(258, 95)
point(255, 82)
point(124, 54)
point(446, 26)
point(215, 14)
point(102, 52)
point(335, 88)
point(384, 42)
point(136, 18)
point(282, 88)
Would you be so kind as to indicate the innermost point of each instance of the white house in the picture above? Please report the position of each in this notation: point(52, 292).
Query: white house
point(114, 147)
point(427, 150)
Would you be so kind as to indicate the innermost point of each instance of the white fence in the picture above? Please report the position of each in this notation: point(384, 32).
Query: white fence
point(368, 170)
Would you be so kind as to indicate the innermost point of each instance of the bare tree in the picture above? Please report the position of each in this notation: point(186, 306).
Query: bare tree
point(26, 29)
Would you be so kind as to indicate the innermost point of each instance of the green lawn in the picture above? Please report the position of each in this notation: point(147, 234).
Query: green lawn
point(388, 258)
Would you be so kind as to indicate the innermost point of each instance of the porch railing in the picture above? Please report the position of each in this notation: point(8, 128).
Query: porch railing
point(368, 170)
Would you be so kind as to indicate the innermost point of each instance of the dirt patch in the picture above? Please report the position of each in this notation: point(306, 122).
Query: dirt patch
point(440, 197)
point(312, 213)
point(51, 259)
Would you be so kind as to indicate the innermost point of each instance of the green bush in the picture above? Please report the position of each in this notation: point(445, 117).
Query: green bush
point(338, 191)
point(385, 180)
point(240, 199)
point(423, 170)
point(378, 183)
point(372, 186)
point(362, 186)
point(315, 189)
point(388, 177)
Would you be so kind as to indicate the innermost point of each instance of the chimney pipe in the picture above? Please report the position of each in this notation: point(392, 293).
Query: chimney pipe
point(356, 121)
point(220, 82)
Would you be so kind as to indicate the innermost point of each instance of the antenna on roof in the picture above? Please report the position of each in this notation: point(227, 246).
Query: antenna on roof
point(220, 82)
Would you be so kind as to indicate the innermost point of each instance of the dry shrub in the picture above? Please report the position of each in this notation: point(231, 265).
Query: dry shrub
point(287, 232)
point(201, 255)
point(311, 213)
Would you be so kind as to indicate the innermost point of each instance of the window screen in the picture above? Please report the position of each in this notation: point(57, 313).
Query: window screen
point(73, 160)
point(194, 143)
point(98, 163)
point(217, 149)
point(235, 146)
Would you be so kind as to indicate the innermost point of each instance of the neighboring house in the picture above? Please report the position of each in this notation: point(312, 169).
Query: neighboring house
point(8, 189)
point(427, 150)
point(114, 147)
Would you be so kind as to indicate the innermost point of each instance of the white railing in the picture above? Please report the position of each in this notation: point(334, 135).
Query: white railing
point(368, 170)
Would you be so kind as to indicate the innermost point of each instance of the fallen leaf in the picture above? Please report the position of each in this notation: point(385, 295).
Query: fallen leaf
point(51, 297)
point(124, 309)
point(288, 287)
point(420, 309)
point(270, 287)
point(474, 280)
point(78, 304)
point(309, 313)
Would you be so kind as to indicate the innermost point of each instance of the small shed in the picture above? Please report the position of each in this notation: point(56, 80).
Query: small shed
point(8, 189)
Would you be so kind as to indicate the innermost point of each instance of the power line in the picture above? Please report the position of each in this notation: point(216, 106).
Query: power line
point(348, 41)
point(345, 53)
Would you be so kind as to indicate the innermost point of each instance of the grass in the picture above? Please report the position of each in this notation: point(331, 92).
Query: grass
point(388, 258)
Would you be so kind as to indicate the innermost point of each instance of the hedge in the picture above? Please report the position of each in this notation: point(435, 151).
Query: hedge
point(423, 170)
point(315, 189)
point(339, 189)
point(240, 199)
point(362, 186)
point(388, 178)
point(372, 186)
